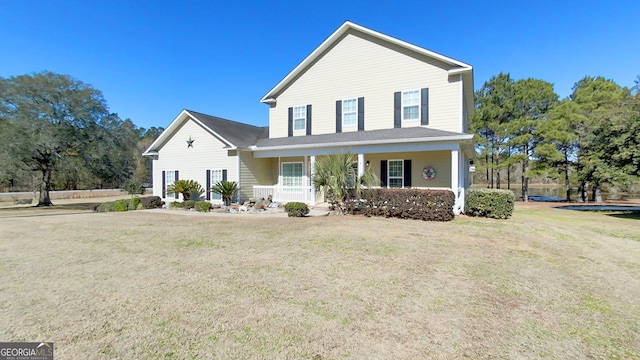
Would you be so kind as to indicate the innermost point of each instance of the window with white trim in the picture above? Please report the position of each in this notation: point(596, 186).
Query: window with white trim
point(292, 174)
point(349, 112)
point(395, 174)
point(216, 175)
point(170, 178)
point(299, 117)
point(411, 105)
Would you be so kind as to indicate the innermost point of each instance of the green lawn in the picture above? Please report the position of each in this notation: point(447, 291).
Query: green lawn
point(547, 283)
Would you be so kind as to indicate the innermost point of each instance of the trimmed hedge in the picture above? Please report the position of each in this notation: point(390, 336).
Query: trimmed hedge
point(136, 203)
point(203, 206)
point(106, 207)
point(491, 203)
point(187, 204)
point(296, 209)
point(151, 202)
point(418, 204)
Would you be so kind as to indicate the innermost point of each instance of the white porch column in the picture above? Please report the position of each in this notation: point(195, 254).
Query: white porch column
point(455, 179)
point(313, 187)
point(361, 165)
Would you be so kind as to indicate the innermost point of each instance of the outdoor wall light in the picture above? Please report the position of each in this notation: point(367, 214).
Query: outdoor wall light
point(367, 163)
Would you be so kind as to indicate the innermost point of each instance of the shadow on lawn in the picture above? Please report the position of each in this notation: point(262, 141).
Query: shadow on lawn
point(629, 215)
point(63, 209)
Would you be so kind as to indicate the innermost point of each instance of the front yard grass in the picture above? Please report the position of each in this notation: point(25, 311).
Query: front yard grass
point(546, 283)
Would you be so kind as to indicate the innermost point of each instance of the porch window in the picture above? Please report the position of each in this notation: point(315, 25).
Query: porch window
point(395, 173)
point(349, 112)
point(299, 117)
point(411, 105)
point(292, 174)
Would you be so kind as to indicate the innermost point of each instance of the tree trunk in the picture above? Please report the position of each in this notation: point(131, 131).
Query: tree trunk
point(582, 192)
point(525, 178)
point(597, 194)
point(566, 175)
point(45, 187)
point(509, 172)
point(486, 164)
point(492, 166)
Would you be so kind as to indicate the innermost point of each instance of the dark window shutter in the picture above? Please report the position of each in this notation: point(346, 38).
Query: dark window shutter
point(339, 116)
point(208, 189)
point(424, 106)
point(360, 114)
point(224, 175)
point(164, 184)
point(176, 195)
point(383, 173)
point(290, 122)
point(308, 119)
point(397, 109)
point(407, 173)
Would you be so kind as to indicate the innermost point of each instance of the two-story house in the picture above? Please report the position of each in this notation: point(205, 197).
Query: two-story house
point(401, 108)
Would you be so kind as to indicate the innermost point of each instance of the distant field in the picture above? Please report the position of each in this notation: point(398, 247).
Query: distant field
point(547, 283)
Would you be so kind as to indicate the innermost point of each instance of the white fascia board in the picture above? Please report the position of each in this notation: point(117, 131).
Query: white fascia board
point(175, 124)
point(360, 143)
point(270, 96)
point(167, 132)
point(457, 71)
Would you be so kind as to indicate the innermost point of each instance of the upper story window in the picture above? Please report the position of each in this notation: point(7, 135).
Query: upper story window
point(349, 112)
point(299, 117)
point(411, 105)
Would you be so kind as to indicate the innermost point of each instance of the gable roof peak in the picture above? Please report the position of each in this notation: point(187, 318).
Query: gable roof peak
point(458, 67)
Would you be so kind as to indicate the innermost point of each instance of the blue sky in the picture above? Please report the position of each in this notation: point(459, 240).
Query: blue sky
point(151, 59)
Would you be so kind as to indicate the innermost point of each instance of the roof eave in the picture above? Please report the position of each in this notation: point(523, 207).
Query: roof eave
point(462, 137)
point(170, 130)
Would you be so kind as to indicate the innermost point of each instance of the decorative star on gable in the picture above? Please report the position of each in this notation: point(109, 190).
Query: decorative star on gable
point(190, 142)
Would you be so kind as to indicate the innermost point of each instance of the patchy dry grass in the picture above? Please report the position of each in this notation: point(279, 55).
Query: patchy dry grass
point(545, 284)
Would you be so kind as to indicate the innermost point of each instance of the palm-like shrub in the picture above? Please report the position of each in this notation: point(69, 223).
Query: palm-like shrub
point(185, 187)
point(226, 189)
point(335, 175)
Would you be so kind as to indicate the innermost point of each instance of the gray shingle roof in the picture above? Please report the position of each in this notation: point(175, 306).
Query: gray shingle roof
point(239, 134)
point(360, 136)
point(245, 135)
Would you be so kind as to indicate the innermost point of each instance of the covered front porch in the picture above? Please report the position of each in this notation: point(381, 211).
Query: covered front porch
point(445, 167)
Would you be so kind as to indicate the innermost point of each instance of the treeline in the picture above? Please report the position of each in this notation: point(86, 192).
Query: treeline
point(589, 141)
point(56, 133)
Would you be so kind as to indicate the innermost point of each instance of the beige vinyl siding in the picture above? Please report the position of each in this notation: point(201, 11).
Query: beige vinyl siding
point(439, 160)
point(254, 171)
point(207, 153)
point(360, 65)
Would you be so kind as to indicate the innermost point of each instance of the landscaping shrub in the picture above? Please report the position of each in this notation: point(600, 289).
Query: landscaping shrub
point(176, 204)
point(189, 204)
point(121, 205)
point(134, 203)
point(106, 207)
point(296, 209)
point(203, 206)
point(491, 203)
point(419, 204)
point(151, 202)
